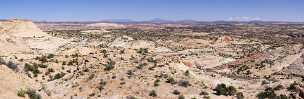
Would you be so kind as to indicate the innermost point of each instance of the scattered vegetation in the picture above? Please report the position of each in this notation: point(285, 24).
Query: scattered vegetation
point(102, 84)
point(239, 95)
point(269, 93)
point(58, 75)
point(131, 97)
point(110, 65)
point(42, 59)
point(181, 97)
point(142, 51)
point(50, 56)
point(32, 68)
point(203, 93)
point(171, 80)
point(187, 73)
point(153, 93)
point(176, 92)
point(292, 87)
point(140, 66)
point(222, 89)
point(156, 82)
point(33, 94)
point(21, 93)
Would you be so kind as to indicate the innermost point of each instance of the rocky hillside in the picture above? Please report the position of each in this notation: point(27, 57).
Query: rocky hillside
point(162, 63)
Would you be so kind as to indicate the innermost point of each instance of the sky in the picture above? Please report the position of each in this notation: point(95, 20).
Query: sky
point(201, 10)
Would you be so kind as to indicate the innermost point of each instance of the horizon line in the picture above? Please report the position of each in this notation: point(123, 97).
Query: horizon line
point(122, 20)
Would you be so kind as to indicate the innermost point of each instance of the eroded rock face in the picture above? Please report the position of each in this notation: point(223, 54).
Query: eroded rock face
point(121, 42)
point(21, 28)
point(10, 44)
point(11, 82)
point(128, 42)
point(23, 36)
point(296, 68)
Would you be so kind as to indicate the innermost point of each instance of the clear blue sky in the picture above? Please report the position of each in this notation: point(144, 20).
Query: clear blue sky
point(205, 10)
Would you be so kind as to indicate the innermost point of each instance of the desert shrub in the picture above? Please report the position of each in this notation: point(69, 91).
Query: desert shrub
point(187, 73)
point(156, 82)
point(50, 70)
point(153, 93)
point(142, 51)
point(50, 56)
point(58, 75)
point(122, 83)
point(102, 84)
point(171, 80)
point(64, 63)
point(267, 93)
point(283, 97)
point(21, 60)
point(131, 97)
point(92, 94)
point(181, 97)
point(91, 76)
point(267, 61)
point(292, 87)
point(231, 91)
point(279, 87)
point(42, 59)
point(206, 97)
point(130, 72)
point(21, 93)
point(184, 83)
point(151, 60)
point(70, 63)
point(33, 94)
point(140, 66)
point(222, 89)
point(56, 61)
point(239, 95)
point(75, 55)
point(203, 93)
point(40, 65)
point(176, 92)
point(264, 63)
point(109, 66)
point(32, 68)
point(242, 68)
point(265, 82)
point(103, 51)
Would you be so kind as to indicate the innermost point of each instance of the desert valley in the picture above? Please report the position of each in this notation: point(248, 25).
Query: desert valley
point(151, 60)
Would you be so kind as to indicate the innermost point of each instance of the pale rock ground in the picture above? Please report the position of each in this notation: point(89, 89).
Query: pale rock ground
point(23, 38)
point(11, 82)
point(106, 25)
point(21, 28)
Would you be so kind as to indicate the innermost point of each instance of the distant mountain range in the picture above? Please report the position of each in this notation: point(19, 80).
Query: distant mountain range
point(164, 21)
point(188, 21)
